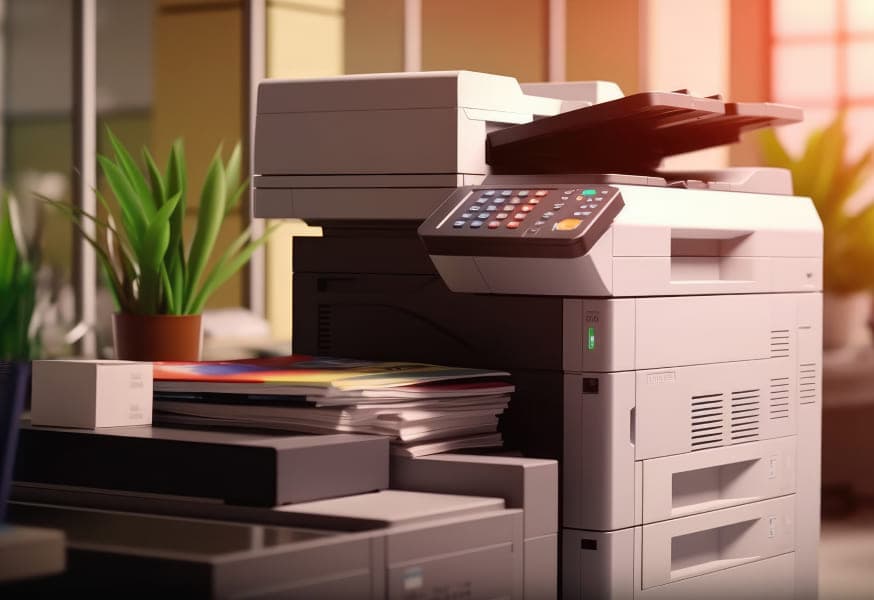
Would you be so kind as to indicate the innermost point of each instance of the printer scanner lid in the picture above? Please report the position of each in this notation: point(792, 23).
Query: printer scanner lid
point(628, 135)
point(399, 91)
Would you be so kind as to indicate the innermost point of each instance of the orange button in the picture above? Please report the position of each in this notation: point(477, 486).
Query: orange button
point(494, 224)
point(519, 216)
point(540, 193)
point(526, 208)
point(513, 225)
point(568, 224)
point(534, 201)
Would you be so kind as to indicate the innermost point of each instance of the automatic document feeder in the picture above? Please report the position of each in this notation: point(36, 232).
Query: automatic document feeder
point(663, 329)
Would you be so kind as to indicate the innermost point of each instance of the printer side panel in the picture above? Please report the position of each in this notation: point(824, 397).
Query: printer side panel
point(809, 359)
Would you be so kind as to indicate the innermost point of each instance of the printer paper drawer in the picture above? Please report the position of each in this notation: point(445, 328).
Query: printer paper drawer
point(770, 578)
point(693, 546)
point(686, 484)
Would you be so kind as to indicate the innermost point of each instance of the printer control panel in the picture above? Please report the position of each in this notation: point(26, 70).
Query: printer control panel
point(537, 221)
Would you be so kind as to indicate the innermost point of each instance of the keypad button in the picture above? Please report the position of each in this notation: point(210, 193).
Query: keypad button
point(589, 192)
point(586, 213)
point(501, 216)
point(467, 216)
point(491, 208)
point(515, 201)
point(513, 225)
point(519, 216)
point(499, 200)
point(580, 198)
point(599, 199)
point(565, 198)
point(534, 201)
point(540, 193)
point(540, 222)
point(507, 193)
point(483, 215)
point(526, 208)
point(567, 224)
point(557, 206)
point(476, 208)
point(548, 214)
point(476, 224)
point(489, 193)
point(494, 224)
point(523, 193)
point(458, 224)
point(569, 192)
point(582, 213)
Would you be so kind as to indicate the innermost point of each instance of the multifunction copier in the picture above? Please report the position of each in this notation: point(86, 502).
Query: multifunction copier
point(662, 328)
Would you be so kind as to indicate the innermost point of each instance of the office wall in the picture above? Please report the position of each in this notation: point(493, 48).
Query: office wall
point(494, 36)
point(304, 38)
point(750, 51)
point(603, 42)
point(198, 95)
point(373, 36)
point(685, 45)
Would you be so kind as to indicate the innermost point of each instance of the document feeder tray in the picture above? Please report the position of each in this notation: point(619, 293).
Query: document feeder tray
point(629, 135)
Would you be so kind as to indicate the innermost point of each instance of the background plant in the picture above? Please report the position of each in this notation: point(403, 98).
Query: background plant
point(141, 245)
point(825, 173)
point(18, 340)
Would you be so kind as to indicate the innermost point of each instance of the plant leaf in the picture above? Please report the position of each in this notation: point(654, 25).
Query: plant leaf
point(156, 179)
point(176, 180)
point(133, 175)
point(168, 291)
point(209, 220)
point(773, 153)
point(134, 218)
point(231, 262)
point(155, 244)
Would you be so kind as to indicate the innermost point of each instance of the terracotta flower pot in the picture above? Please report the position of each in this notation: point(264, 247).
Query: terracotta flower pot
point(157, 337)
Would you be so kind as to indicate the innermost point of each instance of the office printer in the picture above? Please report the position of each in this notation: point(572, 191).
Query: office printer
point(663, 328)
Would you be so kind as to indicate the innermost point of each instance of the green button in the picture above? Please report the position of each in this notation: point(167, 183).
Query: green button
point(588, 192)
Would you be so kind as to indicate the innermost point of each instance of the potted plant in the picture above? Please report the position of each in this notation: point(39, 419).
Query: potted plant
point(824, 173)
point(18, 339)
point(160, 282)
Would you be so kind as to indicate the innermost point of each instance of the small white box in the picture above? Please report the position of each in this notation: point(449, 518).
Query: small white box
point(91, 393)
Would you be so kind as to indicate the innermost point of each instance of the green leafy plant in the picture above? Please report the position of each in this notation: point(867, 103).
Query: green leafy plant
point(148, 265)
point(17, 287)
point(824, 173)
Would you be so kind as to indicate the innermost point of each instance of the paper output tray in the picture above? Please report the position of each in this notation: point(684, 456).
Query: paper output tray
point(628, 135)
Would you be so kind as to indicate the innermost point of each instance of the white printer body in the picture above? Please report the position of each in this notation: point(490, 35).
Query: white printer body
point(664, 329)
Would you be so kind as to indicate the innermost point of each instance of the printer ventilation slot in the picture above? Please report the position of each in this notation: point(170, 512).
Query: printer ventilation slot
point(708, 421)
point(744, 415)
point(807, 383)
point(779, 343)
point(779, 404)
point(324, 340)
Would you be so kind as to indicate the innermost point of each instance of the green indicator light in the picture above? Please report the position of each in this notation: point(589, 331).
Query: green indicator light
point(588, 192)
point(590, 343)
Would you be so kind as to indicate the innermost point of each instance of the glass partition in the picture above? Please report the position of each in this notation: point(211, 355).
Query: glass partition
point(37, 150)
